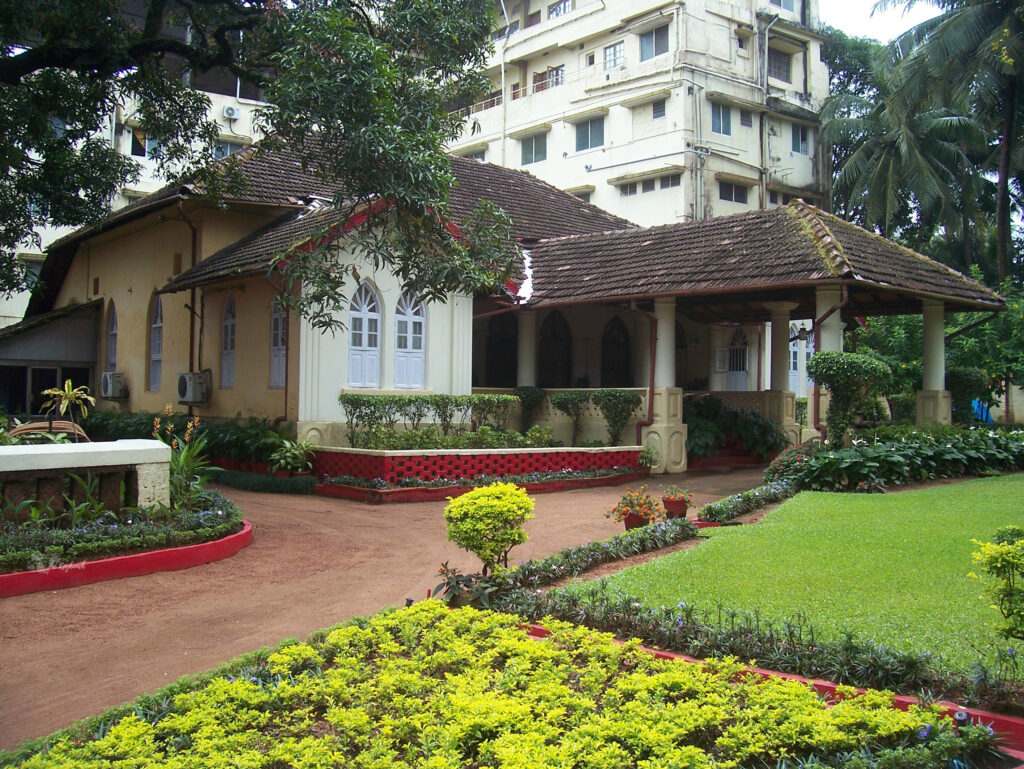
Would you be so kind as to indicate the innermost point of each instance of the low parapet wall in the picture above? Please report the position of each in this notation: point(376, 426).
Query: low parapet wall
point(41, 472)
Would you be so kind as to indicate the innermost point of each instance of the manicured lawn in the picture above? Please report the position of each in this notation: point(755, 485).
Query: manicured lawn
point(890, 567)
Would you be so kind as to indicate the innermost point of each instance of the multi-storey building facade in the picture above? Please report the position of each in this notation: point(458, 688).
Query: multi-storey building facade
point(658, 112)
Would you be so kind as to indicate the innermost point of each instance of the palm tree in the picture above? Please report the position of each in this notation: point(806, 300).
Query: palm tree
point(905, 157)
point(975, 49)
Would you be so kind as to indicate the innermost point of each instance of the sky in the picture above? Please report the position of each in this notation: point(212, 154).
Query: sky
point(854, 18)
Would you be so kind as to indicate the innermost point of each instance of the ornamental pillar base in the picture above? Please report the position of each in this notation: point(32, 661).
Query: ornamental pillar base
point(780, 407)
point(934, 407)
point(667, 434)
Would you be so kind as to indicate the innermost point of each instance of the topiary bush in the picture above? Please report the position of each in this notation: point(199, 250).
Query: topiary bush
point(617, 407)
point(488, 522)
point(572, 403)
point(852, 380)
point(530, 399)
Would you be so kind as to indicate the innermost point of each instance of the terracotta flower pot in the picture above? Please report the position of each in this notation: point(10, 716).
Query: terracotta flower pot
point(674, 508)
point(632, 521)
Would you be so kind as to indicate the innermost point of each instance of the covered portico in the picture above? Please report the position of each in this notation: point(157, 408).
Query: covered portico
point(707, 306)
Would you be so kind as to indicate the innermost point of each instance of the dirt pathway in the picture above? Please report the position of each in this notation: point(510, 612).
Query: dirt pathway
point(68, 654)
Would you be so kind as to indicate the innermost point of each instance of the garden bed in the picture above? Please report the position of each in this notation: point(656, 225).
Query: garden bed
point(434, 493)
point(134, 565)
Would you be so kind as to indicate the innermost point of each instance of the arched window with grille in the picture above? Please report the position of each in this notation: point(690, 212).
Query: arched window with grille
point(227, 343)
point(554, 352)
point(410, 341)
point(616, 355)
point(364, 321)
point(156, 343)
point(112, 338)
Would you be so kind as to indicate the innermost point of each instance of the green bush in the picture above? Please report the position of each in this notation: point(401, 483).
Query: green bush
point(266, 484)
point(1003, 561)
point(493, 410)
point(530, 399)
point(853, 382)
point(747, 502)
point(617, 407)
point(572, 403)
point(801, 411)
point(488, 522)
point(711, 424)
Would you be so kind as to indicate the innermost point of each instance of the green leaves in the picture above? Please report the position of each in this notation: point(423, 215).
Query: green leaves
point(488, 522)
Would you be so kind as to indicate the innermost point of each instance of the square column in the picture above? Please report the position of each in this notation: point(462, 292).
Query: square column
point(779, 403)
point(665, 349)
point(526, 369)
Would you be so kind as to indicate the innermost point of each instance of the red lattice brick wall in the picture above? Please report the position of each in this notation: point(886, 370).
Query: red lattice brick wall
point(428, 467)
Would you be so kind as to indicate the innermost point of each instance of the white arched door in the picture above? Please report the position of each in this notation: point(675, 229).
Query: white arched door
point(364, 338)
point(410, 337)
point(739, 360)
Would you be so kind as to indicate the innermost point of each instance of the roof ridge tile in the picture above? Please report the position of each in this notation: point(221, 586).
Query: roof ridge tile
point(832, 250)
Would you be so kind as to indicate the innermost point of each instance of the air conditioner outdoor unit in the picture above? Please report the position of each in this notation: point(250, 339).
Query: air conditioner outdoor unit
point(232, 112)
point(194, 386)
point(113, 386)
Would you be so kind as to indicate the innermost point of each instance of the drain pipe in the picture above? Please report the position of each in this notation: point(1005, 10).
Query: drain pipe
point(817, 348)
point(649, 419)
point(192, 306)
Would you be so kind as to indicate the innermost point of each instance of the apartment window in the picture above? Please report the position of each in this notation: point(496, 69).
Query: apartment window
point(156, 343)
point(741, 42)
point(278, 346)
point(227, 344)
point(364, 321)
point(801, 139)
point(779, 65)
point(550, 78)
point(648, 185)
point(625, 190)
point(658, 109)
point(584, 196)
point(735, 193)
point(787, 5)
point(614, 55)
point(534, 148)
point(112, 339)
point(746, 118)
point(721, 119)
point(410, 322)
point(533, 19)
point(478, 155)
point(224, 148)
point(670, 180)
point(590, 134)
point(511, 29)
point(143, 147)
point(560, 8)
point(654, 43)
point(590, 59)
point(779, 198)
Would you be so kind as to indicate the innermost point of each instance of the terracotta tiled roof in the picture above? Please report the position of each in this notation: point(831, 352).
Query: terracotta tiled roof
point(759, 250)
point(536, 208)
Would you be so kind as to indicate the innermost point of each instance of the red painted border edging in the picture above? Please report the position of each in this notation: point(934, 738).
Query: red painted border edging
point(87, 572)
point(1010, 728)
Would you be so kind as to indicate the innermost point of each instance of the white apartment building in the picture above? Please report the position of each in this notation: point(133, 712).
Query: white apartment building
point(658, 112)
point(232, 105)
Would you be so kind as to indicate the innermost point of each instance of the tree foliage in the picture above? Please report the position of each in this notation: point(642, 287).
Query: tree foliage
point(359, 90)
point(851, 379)
point(488, 522)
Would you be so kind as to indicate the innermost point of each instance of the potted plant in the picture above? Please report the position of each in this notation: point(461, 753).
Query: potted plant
point(676, 501)
point(636, 508)
point(292, 458)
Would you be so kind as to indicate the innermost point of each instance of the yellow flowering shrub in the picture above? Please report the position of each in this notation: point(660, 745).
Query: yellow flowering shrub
point(432, 688)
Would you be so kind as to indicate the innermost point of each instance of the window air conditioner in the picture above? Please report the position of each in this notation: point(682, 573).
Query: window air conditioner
point(194, 386)
point(113, 386)
point(231, 112)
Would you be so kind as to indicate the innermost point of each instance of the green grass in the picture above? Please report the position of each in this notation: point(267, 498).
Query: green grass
point(890, 567)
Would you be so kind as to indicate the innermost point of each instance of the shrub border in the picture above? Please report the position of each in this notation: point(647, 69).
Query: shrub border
point(1011, 728)
point(435, 493)
point(137, 564)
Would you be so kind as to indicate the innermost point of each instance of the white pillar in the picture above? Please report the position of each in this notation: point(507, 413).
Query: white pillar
point(934, 363)
point(665, 352)
point(526, 369)
point(780, 343)
point(830, 333)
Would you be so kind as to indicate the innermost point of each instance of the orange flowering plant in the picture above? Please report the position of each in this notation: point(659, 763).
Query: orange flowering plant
point(637, 502)
point(674, 492)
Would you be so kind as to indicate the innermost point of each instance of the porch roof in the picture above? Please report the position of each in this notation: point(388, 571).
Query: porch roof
point(728, 266)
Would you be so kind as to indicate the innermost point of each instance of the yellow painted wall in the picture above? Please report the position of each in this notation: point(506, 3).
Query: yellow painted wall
point(126, 265)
